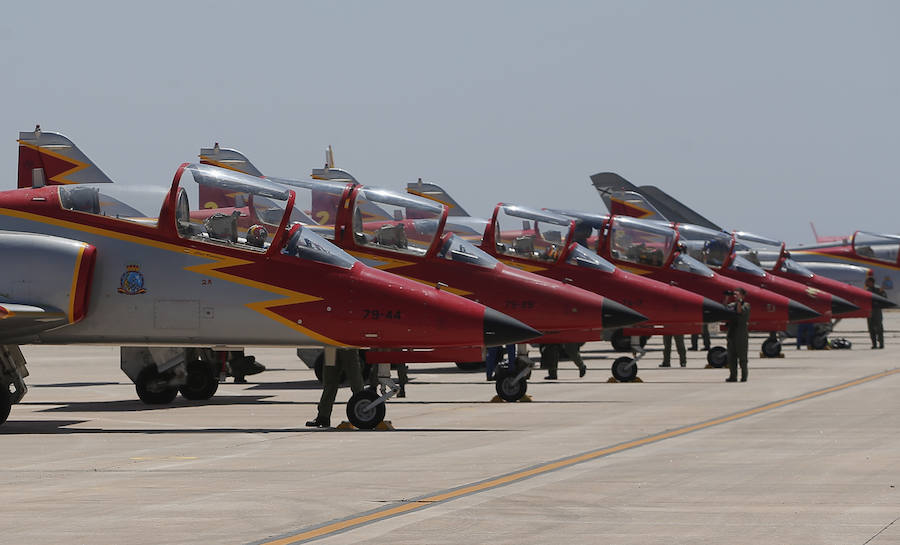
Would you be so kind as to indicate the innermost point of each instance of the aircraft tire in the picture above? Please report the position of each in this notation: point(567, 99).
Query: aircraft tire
point(819, 342)
point(508, 390)
point(359, 412)
point(149, 392)
point(470, 366)
point(771, 348)
point(5, 405)
point(623, 371)
point(202, 381)
point(717, 357)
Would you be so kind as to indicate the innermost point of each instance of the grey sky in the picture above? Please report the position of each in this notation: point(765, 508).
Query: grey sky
point(760, 115)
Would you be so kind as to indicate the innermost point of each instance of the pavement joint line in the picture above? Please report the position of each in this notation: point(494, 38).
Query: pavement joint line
point(356, 521)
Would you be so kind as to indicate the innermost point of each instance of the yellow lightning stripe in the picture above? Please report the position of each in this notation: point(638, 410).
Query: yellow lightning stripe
point(429, 197)
point(631, 205)
point(209, 269)
point(634, 270)
point(72, 291)
point(395, 263)
point(524, 266)
point(59, 178)
point(220, 164)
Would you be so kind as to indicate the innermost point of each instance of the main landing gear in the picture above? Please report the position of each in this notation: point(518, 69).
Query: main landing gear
point(511, 384)
point(625, 369)
point(366, 408)
point(12, 378)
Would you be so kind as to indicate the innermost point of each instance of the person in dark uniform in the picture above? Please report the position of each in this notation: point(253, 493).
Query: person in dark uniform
point(550, 354)
point(667, 350)
point(875, 319)
point(494, 355)
point(338, 361)
point(738, 336)
point(704, 334)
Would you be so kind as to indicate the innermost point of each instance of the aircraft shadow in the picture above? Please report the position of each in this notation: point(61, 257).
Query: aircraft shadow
point(73, 384)
point(133, 405)
point(60, 427)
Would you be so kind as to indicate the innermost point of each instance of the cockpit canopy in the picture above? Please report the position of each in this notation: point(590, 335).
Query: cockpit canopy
point(640, 242)
point(880, 247)
point(706, 245)
point(529, 233)
point(394, 221)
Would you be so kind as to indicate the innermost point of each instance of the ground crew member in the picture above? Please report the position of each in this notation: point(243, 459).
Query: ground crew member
point(704, 334)
point(338, 361)
point(550, 354)
point(493, 356)
point(667, 350)
point(875, 319)
point(738, 336)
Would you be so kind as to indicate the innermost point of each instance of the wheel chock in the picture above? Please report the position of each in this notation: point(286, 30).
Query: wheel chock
point(524, 399)
point(384, 425)
point(780, 355)
point(614, 379)
point(708, 366)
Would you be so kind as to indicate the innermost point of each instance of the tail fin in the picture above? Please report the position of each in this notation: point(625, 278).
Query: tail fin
point(437, 194)
point(647, 200)
point(827, 239)
point(49, 158)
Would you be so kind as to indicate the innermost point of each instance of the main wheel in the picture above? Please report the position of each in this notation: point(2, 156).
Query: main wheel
point(5, 404)
point(508, 389)
point(717, 357)
point(470, 366)
point(819, 342)
point(771, 348)
point(202, 381)
point(152, 388)
point(624, 369)
point(360, 411)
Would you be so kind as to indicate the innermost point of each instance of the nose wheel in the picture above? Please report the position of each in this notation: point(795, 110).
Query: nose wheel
point(624, 369)
point(364, 411)
point(771, 348)
point(717, 357)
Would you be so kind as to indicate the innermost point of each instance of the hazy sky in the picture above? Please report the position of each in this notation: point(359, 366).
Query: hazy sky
point(760, 115)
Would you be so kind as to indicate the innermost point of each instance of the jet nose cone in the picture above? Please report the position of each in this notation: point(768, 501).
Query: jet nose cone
point(716, 312)
point(882, 302)
point(501, 329)
point(618, 315)
point(840, 305)
point(798, 312)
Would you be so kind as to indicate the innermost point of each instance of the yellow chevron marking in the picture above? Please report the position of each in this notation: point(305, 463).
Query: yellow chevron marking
point(61, 177)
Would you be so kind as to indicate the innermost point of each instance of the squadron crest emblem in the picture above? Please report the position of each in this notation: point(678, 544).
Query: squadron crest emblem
point(132, 281)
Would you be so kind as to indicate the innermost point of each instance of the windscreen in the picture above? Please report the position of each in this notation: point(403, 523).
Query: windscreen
point(394, 221)
point(689, 264)
point(304, 243)
point(582, 257)
point(742, 264)
point(758, 250)
point(316, 200)
point(791, 266)
point(530, 234)
point(640, 242)
point(459, 249)
point(880, 247)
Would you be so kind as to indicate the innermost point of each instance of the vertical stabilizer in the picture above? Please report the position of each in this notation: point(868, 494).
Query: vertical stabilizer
point(49, 158)
point(436, 193)
point(647, 200)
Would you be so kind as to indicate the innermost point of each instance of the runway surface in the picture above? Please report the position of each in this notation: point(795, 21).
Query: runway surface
point(805, 452)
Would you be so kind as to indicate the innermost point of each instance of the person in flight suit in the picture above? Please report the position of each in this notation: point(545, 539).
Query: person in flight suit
point(738, 336)
point(704, 334)
point(875, 319)
point(667, 350)
point(338, 361)
point(550, 354)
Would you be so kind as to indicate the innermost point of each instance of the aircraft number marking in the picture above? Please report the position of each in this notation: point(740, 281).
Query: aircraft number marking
point(379, 314)
point(524, 304)
point(206, 282)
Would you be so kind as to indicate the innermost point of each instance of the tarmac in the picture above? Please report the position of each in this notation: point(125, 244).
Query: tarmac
point(805, 452)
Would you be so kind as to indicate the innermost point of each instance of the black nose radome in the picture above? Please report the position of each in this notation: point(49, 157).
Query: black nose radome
point(501, 329)
point(716, 312)
point(882, 302)
point(840, 305)
point(798, 312)
point(618, 315)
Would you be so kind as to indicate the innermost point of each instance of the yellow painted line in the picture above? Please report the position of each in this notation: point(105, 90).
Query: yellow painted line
point(73, 289)
point(448, 495)
point(853, 260)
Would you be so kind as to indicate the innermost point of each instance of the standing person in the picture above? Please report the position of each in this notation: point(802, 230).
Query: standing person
point(875, 319)
point(667, 350)
point(704, 334)
point(550, 354)
point(338, 361)
point(738, 336)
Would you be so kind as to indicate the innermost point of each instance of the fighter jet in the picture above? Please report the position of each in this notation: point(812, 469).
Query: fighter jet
point(407, 235)
point(76, 273)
